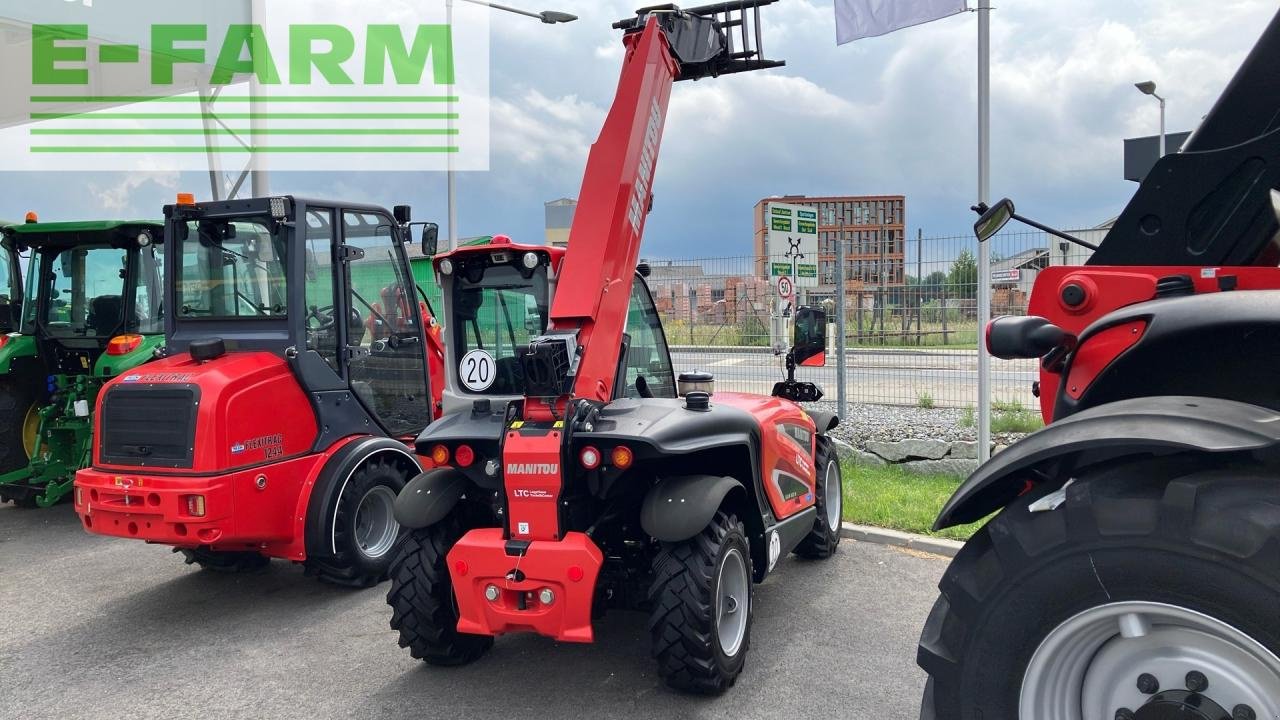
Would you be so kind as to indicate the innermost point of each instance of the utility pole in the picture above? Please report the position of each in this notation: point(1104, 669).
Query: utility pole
point(984, 250)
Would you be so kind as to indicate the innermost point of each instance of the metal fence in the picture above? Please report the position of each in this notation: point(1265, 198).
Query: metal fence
point(911, 320)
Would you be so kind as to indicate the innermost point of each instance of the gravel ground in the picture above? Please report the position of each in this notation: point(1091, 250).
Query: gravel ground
point(890, 423)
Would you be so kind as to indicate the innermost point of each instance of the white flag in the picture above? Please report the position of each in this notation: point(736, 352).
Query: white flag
point(857, 19)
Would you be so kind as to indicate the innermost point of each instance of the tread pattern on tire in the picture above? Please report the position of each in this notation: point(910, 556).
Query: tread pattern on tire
point(230, 562)
point(821, 543)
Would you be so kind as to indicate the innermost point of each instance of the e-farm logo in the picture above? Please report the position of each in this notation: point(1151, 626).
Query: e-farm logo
point(299, 85)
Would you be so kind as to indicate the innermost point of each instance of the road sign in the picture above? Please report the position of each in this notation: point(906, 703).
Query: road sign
point(786, 288)
point(793, 243)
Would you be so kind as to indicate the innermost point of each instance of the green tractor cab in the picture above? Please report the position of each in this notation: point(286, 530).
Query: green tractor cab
point(91, 310)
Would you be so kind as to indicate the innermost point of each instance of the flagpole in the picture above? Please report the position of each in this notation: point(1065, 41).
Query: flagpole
point(984, 250)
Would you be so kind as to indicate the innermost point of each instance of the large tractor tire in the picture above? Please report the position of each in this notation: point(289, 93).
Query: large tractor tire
point(423, 608)
point(19, 421)
point(1139, 597)
point(822, 541)
point(219, 561)
point(364, 529)
point(700, 624)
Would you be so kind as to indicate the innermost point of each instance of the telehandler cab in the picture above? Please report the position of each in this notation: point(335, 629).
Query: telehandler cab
point(1132, 570)
point(93, 311)
point(280, 423)
point(577, 471)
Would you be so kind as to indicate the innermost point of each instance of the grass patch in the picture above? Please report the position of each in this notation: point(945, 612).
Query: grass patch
point(969, 418)
point(892, 498)
point(925, 400)
point(1020, 421)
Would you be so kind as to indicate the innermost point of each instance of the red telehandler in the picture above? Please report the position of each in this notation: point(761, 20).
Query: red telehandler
point(1133, 568)
point(577, 471)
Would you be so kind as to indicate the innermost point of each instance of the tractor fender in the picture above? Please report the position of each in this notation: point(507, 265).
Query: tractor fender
point(824, 421)
point(1141, 426)
point(332, 480)
point(429, 497)
point(679, 507)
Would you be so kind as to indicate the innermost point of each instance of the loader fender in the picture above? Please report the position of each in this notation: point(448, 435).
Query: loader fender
point(1151, 425)
point(679, 507)
point(429, 497)
point(332, 479)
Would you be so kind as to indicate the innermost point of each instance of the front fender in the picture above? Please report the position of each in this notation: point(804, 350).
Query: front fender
point(677, 508)
point(1151, 425)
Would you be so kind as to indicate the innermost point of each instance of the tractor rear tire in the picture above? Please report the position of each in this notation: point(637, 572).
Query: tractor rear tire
point(1142, 541)
point(230, 562)
point(17, 397)
point(423, 608)
point(822, 541)
point(701, 596)
point(363, 531)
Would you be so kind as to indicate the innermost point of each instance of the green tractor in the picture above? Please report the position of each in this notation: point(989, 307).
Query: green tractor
point(91, 311)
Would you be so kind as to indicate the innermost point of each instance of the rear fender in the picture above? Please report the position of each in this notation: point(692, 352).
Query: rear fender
point(429, 497)
point(680, 507)
point(332, 480)
point(1142, 426)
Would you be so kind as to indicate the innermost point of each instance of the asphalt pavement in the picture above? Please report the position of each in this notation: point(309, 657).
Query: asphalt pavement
point(94, 627)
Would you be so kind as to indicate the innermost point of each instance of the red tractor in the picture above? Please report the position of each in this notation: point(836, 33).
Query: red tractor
point(280, 423)
point(577, 471)
point(1132, 568)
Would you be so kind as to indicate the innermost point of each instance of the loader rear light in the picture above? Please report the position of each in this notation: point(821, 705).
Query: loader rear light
point(79, 497)
point(123, 344)
point(195, 505)
point(622, 457)
point(440, 455)
point(464, 456)
point(589, 457)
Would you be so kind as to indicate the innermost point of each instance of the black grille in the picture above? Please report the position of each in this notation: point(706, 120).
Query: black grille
point(149, 425)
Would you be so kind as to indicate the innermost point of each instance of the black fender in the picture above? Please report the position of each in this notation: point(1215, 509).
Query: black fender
point(1141, 426)
point(429, 497)
point(824, 421)
point(332, 480)
point(680, 507)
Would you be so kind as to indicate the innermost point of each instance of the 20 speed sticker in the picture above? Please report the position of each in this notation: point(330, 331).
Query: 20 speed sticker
point(478, 370)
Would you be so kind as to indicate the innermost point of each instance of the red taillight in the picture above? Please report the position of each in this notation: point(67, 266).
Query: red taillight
point(460, 568)
point(464, 456)
point(195, 505)
point(622, 457)
point(440, 455)
point(589, 457)
point(123, 344)
point(4, 340)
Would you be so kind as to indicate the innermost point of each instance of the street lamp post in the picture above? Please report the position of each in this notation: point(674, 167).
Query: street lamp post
point(1149, 88)
point(549, 17)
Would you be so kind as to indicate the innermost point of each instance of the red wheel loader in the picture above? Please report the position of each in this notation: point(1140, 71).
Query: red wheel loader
point(1132, 568)
point(578, 471)
point(280, 422)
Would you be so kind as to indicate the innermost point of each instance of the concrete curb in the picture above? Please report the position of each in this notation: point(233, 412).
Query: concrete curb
point(897, 538)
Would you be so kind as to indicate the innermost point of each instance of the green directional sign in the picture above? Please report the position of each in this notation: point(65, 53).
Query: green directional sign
point(780, 224)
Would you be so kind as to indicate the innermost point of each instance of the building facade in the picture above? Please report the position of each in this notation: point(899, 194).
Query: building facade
point(559, 215)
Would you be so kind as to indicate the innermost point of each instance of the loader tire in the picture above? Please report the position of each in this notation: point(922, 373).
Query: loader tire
point(230, 562)
point(822, 541)
point(362, 535)
point(1032, 598)
point(423, 608)
point(701, 596)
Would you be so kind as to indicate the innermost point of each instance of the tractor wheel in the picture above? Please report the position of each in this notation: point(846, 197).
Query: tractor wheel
point(364, 531)
point(19, 422)
point(423, 608)
point(700, 624)
point(822, 541)
point(224, 561)
point(1139, 597)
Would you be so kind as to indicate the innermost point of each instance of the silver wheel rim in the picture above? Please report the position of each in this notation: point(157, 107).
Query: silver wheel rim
point(833, 496)
point(733, 603)
point(376, 526)
point(1088, 666)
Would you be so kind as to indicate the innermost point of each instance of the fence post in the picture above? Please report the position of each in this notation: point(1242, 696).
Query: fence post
point(841, 400)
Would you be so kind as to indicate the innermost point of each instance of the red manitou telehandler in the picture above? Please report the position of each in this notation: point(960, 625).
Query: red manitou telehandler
point(1133, 568)
point(281, 422)
point(578, 472)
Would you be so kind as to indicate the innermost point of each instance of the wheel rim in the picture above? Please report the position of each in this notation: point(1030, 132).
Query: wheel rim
point(833, 496)
point(30, 430)
point(376, 526)
point(733, 603)
point(1088, 667)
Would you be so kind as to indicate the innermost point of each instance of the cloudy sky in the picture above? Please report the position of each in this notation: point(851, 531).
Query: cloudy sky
point(895, 114)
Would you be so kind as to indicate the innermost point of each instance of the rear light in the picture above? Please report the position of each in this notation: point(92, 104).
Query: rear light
point(4, 340)
point(576, 574)
point(195, 505)
point(440, 455)
point(589, 457)
point(460, 568)
point(987, 334)
point(622, 457)
point(79, 497)
point(123, 344)
point(464, 456)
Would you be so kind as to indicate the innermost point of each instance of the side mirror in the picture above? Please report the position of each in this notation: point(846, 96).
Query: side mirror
point(809, 346)
point(992, 219)
point(430, 239)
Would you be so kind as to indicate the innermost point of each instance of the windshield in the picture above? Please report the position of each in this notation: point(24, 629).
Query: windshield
point(231, 270)
point(80, 291)
point(495, 315)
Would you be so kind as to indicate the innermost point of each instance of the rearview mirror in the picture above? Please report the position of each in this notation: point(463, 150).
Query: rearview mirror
point(809, 346)
point(993, 219)
point(430, 239)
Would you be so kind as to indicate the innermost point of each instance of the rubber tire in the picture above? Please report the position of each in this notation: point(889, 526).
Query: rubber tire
point(350, 567)
point(682, 620)
point(1207, 541)
point(822, 542)
point(230, 562)
point(17, 395)
point(423, 610)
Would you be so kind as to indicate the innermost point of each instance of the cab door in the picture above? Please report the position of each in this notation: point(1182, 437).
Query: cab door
point(382, 332)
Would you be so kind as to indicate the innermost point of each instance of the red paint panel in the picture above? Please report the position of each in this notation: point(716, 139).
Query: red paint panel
point(1099, 351)
point(786, 466)
point(533, 483)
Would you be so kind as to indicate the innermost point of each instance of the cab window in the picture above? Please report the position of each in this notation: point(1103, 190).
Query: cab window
point(647, 356)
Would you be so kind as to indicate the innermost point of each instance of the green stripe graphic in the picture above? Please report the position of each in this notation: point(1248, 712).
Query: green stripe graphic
point(242, 98)
point(246, 131)
point(318, 149)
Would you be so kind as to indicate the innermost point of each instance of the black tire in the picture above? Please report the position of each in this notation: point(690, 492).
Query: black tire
point(342, 560)
point(423, 609)
point(1201, 541)
point(224, 561)
point(17, 395)
point(822, 541)
point(683, 622)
